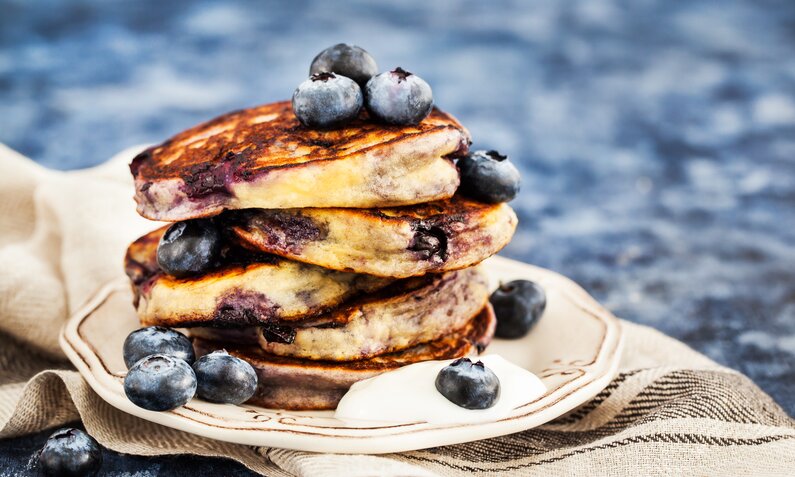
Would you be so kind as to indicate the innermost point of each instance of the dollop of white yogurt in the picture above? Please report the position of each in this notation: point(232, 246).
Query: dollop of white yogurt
point(409, 394)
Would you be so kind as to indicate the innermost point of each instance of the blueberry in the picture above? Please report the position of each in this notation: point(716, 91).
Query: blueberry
point(469, 385)
point(189, 248)
point(518, 306)
point(488, 176)
point(160, 382)
point(70, 452)
point(327, 100)
point(345, 60)
point(157, 340)
point(398, 97)
point(224, 378)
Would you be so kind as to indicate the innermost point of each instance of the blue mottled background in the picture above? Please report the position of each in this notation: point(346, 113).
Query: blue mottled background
point(656, 138)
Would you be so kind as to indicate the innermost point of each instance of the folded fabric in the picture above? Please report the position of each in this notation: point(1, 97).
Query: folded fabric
point(670, 411)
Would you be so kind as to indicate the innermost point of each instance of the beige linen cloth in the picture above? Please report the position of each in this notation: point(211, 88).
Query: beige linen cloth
point(670, 411)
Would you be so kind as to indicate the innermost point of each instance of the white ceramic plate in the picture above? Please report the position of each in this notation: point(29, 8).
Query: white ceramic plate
point(574, 349)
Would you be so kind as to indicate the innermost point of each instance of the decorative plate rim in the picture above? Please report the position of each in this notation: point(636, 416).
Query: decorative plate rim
point(281, 429)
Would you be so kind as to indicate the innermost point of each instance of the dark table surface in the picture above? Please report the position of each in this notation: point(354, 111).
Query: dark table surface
point(656, 138)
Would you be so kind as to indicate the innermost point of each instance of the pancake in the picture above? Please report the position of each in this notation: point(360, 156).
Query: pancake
point(257, 289)
point(263, 157)
point(300, 384)
point(375, 326)
point(389, 242)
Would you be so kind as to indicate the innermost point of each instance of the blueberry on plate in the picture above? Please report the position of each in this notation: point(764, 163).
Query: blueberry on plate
point(70, 452)
point(157, 340)
point(398, 97)
point(223, 378)
point(189, 248)
point(488, 176)
point(327, 100)
point(345, 60)
point(518, 305)
point(160, 383)
point(469, 385)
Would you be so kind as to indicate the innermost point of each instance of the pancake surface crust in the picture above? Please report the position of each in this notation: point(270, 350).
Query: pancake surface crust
point(300, 384)
point(263, 157)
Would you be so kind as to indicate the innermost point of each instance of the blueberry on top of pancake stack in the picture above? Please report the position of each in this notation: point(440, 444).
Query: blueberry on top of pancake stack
point(322, 240)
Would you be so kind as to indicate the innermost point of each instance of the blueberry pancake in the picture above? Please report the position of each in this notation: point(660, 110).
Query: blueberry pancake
point(315, 243)
point(301, 384)
point(263, 157)
point(245, 289)
point(379, 324)
point(389, 242)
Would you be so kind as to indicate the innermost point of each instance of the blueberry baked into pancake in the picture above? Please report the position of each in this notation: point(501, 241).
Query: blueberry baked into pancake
point(314, 244)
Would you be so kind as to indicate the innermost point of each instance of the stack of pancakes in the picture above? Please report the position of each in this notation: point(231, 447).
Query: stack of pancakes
point(346, 252)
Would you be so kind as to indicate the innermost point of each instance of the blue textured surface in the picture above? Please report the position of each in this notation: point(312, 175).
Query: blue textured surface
point(17, 458)
point(656, 139)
